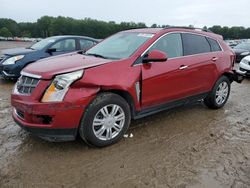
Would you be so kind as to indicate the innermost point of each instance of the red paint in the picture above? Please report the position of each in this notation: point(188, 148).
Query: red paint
point(161, 82)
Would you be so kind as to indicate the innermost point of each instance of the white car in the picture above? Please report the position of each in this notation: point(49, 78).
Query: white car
point(245, 65)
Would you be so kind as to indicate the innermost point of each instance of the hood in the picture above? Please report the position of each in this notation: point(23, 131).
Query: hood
point(239, 51)
point(17, 51)
point(49, 67)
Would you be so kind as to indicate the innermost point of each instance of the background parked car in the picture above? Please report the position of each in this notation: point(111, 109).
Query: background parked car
point(245, 65)
point(14, 60)
point(242, 50)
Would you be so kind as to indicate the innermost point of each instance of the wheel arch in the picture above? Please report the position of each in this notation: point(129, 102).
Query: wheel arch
point(125, 95)
point(229, 76)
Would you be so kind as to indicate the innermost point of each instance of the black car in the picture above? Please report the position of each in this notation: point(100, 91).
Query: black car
point(242, 50)
point(14, 60)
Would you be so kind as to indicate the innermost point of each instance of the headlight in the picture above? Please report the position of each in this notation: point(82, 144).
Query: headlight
point(60, 85)
point(245, 61)
point(245, 53)
point(13, 60)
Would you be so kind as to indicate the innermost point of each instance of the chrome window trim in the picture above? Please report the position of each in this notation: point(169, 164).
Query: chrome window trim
point(31, 75)
point(180, 32)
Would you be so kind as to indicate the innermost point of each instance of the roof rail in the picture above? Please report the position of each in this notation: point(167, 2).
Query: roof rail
point(185, 27)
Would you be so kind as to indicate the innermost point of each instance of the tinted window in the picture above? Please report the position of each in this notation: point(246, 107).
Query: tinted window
point(195, 44)
point(171, 44)
point(86, 44)
point(65, 45)
point(214, 45)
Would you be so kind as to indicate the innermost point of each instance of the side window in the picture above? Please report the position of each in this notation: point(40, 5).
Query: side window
point(65, 45)
point(171, 44)
point(215, 47)
point(85, 44)
point(195, 44)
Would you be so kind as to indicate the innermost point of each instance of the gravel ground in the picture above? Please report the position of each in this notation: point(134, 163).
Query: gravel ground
point(189, 147)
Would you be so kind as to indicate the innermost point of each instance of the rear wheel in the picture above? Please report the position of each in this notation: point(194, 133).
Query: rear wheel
point(219, 95)
point(105, 120)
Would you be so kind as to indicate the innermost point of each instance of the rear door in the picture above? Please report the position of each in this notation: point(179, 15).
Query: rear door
point(197, 50)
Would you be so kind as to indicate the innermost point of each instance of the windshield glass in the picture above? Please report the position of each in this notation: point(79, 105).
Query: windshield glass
point(244, 46)
point(43, 43)
point(119, 46)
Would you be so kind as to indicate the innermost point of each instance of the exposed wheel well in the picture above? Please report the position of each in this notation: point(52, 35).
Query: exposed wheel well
point(229, 76)
point(126, 96)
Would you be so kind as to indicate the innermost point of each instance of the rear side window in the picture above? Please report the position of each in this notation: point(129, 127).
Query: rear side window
point(65, 45)
point(86, 44)
point(195, 44)
point(215, 47)
point(171, 44)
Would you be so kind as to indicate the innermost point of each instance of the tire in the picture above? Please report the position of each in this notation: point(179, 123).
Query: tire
point(221, 90)
point(112, 118)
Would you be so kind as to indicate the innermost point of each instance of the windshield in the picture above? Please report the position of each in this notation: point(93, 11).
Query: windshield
point(244, 46)
point(119, 46)
point(43, 43)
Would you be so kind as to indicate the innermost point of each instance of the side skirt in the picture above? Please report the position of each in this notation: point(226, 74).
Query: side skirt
point(169, 105)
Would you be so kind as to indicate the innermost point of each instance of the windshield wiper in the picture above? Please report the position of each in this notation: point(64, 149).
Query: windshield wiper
point(96, 55)
point(30, 48)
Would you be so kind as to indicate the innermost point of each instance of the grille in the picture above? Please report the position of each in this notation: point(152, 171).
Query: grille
point(26, 85)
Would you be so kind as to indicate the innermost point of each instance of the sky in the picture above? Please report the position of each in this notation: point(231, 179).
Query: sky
point(163, 12)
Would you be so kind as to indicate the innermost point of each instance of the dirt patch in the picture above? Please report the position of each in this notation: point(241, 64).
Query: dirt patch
point(187, 147)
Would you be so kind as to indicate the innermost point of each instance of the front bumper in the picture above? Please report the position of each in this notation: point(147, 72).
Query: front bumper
point(52, 135)
point(10, 71)
point(57, 121)
point(245, 68)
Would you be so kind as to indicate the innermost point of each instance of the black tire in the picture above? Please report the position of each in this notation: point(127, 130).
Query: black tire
point(210, 100)
point(86, 129)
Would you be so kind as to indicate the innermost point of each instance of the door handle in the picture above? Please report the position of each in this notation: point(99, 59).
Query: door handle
point(215, 58)
point(183, 67)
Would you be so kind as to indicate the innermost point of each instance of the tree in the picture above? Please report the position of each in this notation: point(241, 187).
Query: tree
point(4, 32)
point(44, 24)
point(48, 26)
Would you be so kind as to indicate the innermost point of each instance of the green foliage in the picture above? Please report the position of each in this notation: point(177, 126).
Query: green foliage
point(4, 32)
point(231, 33)
point(48, 26)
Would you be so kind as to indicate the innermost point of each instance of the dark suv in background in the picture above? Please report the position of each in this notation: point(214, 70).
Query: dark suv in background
point(14, 60)
point(127, 76)
point(242, 50)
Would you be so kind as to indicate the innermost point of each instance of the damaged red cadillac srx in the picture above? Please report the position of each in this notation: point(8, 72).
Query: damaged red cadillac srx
point(127, 76)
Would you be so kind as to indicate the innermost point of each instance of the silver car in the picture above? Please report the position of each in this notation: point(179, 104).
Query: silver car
point(245, 65)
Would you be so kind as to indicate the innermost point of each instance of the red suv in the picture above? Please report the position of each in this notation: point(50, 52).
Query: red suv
point(127, 76)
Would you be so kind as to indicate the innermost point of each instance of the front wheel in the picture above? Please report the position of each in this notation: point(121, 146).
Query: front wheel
point(219, 95)
point(105, 120)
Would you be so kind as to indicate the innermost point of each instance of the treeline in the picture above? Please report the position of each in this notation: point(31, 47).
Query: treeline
point(48, 26)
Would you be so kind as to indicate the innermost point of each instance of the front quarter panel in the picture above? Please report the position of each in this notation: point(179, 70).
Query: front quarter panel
point(118, 75)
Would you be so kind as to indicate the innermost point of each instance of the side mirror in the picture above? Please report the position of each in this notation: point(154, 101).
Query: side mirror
point(155, 56)
point(51, 50)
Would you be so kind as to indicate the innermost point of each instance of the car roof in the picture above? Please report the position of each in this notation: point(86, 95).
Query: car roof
point(71, 36)
point(176, 29)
